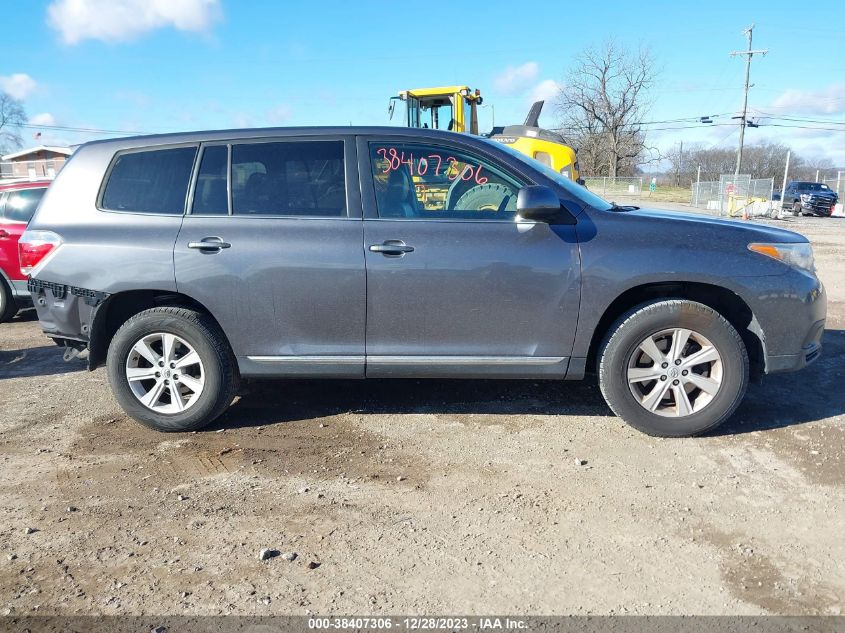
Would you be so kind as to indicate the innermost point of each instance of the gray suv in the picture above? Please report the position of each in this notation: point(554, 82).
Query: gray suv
point(188, 262)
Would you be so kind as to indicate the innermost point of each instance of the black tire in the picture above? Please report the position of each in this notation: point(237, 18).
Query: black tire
point(221, 375)
point(645, 320)
point(487, 197)
point(8, 305)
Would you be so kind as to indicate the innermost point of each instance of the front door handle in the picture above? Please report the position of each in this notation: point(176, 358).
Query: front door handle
point(392, 248)
point(211, 244)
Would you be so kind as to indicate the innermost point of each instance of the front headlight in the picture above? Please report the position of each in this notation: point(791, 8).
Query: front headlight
point(798, 255)
point(805, 197)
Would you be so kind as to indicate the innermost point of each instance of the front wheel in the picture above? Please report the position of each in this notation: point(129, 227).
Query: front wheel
point(673, 368)
point(171, 369)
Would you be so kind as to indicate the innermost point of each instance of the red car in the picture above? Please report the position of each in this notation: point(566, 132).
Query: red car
point(17, 204)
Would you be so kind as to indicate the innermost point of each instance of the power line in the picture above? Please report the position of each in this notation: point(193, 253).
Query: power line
point(804, 127)
point(799, 119)
point(65, 128)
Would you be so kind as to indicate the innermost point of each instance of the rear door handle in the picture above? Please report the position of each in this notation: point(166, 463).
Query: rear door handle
point(211, 244)
point(392, 248)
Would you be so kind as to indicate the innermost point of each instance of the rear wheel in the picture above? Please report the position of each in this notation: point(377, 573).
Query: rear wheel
point(171, 369)
point(8, 305)
point(673, 368)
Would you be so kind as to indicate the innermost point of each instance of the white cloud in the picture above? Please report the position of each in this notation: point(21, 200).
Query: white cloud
point(547, 90)
point(242, 120)
point(513, 79)
point(830, 100)
point(44, 118)
point(120, 20)
point(278, 115)
point(18, 85)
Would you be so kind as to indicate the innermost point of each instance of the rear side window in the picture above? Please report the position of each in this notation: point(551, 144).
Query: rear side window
point(154, 181)
point(20, 205)
point(299, 178)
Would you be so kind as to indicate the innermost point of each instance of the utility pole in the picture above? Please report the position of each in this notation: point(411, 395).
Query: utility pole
point(749, 32)
point(679, 167)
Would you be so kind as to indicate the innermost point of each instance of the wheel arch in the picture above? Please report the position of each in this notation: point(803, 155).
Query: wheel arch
point(121, 306)
point(724, 301)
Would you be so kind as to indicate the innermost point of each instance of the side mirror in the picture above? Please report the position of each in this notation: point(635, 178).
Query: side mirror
point(541, 204)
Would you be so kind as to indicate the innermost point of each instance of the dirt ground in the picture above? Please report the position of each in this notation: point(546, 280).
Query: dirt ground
point(422, 497)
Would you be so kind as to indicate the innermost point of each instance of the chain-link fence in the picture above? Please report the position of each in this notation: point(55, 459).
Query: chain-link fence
point(762, 188)
point(705, 195)
point(605, 186)
point(731, 194)
point(837, 184)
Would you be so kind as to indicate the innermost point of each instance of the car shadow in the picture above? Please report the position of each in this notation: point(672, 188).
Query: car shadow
point(44, 360)
point(272, 402)
point(36, 361)
point(27, 315)
point(780, 401)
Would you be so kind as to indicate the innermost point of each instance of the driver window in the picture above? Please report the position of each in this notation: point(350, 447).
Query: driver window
point(418, 181)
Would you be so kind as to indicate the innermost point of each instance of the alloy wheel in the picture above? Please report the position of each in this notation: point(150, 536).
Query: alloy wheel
point(675, 372)
point(165, 373)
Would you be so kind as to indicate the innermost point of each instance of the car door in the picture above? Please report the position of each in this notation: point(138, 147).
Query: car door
point(457, 285)
point(272, 247)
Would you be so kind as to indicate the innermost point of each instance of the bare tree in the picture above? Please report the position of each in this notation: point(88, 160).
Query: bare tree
point(765, 159)
point(602, 106)
point(12, 117)
point(807, 170)
point(761, 160)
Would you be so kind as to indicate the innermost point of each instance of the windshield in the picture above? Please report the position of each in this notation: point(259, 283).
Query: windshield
point(579, 192)
point(437, 114)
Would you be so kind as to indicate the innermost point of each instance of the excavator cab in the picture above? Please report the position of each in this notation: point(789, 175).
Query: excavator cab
point(455, 108)
point(452, 108)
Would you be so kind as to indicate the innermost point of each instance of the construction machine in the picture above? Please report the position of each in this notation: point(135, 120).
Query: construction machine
point(455, 108)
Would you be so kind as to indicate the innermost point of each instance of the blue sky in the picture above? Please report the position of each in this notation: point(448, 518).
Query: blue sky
point(169, 65)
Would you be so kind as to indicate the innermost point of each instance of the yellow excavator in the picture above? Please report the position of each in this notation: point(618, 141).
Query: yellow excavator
point(455, 108)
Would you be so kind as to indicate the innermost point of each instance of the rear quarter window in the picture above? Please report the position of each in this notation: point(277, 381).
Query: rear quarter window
point(149, 181)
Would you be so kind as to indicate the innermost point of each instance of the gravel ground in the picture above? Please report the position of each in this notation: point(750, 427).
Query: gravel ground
point(421, 497)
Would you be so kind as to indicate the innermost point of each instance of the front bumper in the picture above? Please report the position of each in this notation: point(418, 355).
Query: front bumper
point(790, 312)
point(818, 207)
point(810, 351)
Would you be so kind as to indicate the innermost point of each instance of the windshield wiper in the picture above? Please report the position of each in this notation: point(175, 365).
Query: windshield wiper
point(625, 207)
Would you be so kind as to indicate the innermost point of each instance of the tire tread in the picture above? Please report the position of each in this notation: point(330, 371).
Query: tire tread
point(210, 331)
point(654, 309)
